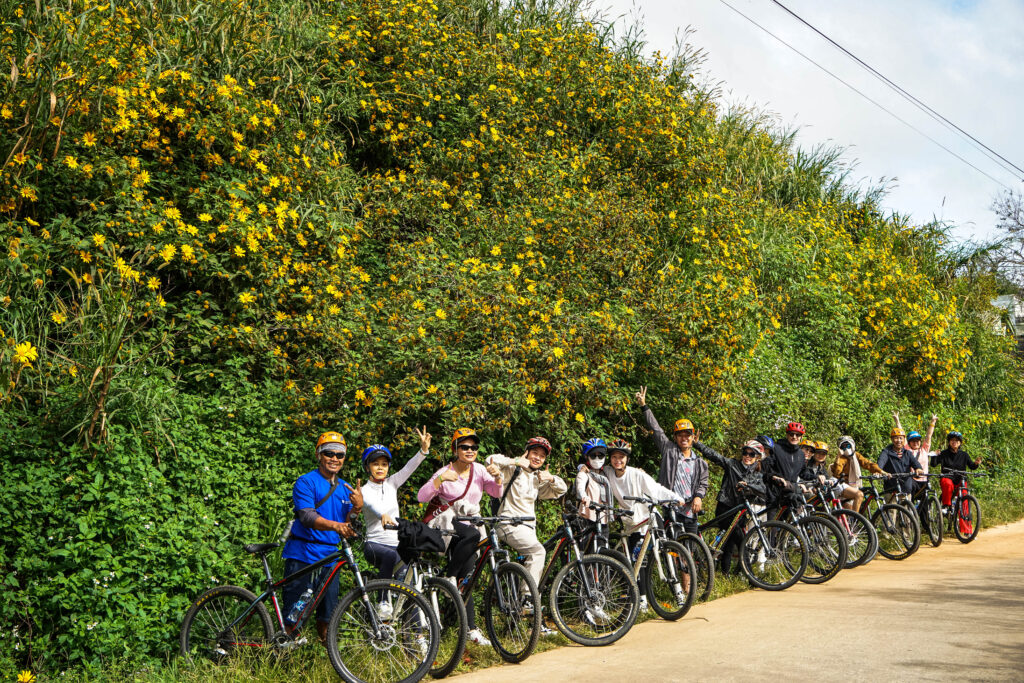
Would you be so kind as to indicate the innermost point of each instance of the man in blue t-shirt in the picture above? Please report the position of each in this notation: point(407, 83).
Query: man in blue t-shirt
point(324, 503)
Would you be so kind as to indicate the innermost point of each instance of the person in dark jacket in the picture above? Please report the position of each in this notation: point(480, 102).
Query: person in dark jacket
point(741, 477)
point(681, 470)
point(782, 467)
point(897, 459)
point(953, 459)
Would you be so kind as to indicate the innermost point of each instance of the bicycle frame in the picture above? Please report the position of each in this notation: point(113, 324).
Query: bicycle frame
point(493, 554)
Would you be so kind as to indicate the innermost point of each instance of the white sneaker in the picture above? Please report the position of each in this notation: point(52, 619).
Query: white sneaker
point(475, 636)
point(643, 603)
point(545, 631)
point(595, 614)
point(423, 645)
point(385, 612)
point(527, 607)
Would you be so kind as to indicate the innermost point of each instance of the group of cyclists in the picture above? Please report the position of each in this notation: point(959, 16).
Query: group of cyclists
point(765, 514)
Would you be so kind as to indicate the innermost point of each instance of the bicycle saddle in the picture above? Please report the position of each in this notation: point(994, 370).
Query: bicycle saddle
point(260, 548)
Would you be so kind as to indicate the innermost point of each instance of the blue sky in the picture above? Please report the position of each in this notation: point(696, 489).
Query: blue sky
point(964, 58)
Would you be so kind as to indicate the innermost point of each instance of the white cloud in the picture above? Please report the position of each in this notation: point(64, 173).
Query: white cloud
point(965, 59)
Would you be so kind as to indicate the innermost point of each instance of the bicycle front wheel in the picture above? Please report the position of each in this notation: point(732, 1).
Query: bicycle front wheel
point(704, 563)
point(594, 601)
point(899, 533)
point(217, 626)
point(671, 580)
point(446, 602)
point(365, 648)
point(826, 551)
point(773, 556)
point(861, 539)
point(931, 520)
point(966, 518)
point(513, 630)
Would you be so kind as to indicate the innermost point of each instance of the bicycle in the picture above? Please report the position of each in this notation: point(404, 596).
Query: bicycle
point(594, 598)
point(964, 512)
point(512, 619)
point(703, 560)
point(663, 567)
point(899, 532)
point(361, 644)
point(929, 511)
point(826, 542)
point(861, 539)
point(773, 555)
point(446, 602)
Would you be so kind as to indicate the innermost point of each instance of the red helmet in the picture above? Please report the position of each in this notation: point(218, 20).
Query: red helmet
point(795, 427)
point(540, 442)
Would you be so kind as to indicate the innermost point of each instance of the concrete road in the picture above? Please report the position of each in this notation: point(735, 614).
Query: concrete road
point(952, 612)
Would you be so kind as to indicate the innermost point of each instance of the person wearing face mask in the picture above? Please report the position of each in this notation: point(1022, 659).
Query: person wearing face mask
point(741, 477)
point(897, 460)
point(847, 469)
point(591, 484)
point(681, 470)
point(528, 481)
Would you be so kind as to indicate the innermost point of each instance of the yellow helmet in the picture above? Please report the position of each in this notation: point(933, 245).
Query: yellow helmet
point(464, 433)
point(896, 431)
point(806, 443)
point(821, 446)
point(331, 438)
point(683, 425)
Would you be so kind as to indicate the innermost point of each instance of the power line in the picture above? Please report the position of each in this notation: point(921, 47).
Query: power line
point(866, 97)
point(991, 153)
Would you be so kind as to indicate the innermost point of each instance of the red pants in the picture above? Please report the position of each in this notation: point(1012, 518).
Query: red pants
point(947, 490)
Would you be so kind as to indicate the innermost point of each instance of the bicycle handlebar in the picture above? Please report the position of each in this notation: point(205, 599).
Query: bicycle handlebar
point(964, 473)
point(501, 519)
point(618, 512)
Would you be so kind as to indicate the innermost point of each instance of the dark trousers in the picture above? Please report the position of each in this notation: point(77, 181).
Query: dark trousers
point(461, 558)
point(292, 590)
point(382, 557)
point(733, 542)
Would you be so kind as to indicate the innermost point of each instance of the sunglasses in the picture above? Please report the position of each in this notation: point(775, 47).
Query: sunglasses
point(749, 454)
point(469, 447)
point(334, 455)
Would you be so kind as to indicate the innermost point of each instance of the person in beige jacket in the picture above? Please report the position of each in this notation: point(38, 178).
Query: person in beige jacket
point(847, 469)
point(532, 483)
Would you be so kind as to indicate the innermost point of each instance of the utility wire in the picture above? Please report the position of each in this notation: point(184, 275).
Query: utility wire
point(866, 97)
point(991, 153)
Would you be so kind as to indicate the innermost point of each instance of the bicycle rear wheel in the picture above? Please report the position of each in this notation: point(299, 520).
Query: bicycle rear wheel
point(826, 552)
point(704, 563)
point(899, 534)
point(363, 648)
point(931, 520)
point(513, 633)
point(206, 630)
point(773, 555)
point(446, 602)
point(861, 539)
point(671, 580)
point(966, 518)
point(594, 601)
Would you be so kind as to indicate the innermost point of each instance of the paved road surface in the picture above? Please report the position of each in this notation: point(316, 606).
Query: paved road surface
point(952, 612)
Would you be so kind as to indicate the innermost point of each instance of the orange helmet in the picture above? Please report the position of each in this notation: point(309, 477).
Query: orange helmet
point(896, 431)
point(821, 446)
point(328, 438)
point(806, 443)
point(683, 425)
point(464, 433)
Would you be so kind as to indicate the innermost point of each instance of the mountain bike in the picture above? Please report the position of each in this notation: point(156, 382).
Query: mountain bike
point(773, 555)
point(446, 602)
point(594, 599)
point(964, 512)
point(899, 532)
point(362, 645)
point(826, 542)
point(511, 606)
point(861, 539)
point(929, 510)
point(662, 567)
point(703, 560)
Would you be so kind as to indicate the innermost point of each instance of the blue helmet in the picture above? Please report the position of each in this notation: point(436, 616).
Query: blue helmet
point(913, 435)
point(954, 435)
point(766, 441)
point(591, 444)
point(373, 451)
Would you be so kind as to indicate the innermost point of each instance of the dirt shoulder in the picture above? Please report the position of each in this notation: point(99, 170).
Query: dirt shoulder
point(956, 611)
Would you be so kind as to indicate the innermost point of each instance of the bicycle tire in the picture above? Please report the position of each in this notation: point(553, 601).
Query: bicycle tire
point(704, 562)
point(931, 519)
point(669, 599)
point(826, 548)
point(453, 624)
point(506, 627)
point(861, 539)
point(893, 523)
point(207, 619)
point(619, 557)
point(403, 649)
point(785, 549)
point(966, 518)
point(602, 614)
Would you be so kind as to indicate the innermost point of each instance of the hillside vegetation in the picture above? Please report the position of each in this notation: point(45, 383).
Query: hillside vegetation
point(230, 225)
